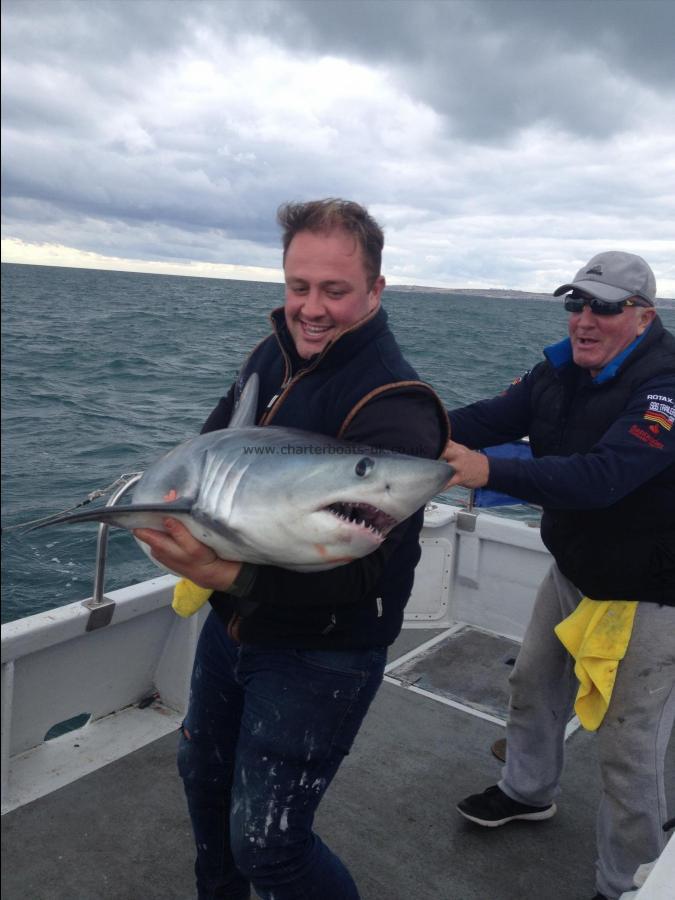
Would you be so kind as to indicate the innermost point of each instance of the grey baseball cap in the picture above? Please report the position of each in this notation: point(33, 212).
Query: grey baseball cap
point(614, 276)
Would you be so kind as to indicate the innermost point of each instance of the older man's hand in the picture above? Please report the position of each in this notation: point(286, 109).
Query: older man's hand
point(472, 469)
point(179, 551)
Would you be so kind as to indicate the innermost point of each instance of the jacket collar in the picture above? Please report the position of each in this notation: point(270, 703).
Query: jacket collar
point(560, 355)
point(337, 352)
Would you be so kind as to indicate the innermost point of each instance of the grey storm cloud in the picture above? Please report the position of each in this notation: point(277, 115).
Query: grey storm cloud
point(166, 129)
point(494, 66)
point(489, 66)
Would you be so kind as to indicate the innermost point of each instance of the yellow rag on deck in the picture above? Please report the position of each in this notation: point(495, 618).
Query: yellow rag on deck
point(188, 597)
point(596, 634)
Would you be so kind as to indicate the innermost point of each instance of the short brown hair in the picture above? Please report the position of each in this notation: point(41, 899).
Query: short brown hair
point(327, 215)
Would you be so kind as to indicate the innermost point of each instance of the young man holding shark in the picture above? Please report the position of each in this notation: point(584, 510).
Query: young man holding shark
point(288, 662)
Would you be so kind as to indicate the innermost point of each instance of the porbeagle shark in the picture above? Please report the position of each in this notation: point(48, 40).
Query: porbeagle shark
point(277, 496)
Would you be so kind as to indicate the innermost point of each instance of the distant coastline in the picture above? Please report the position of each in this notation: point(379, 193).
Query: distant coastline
point(497, 294)
point(502, 294)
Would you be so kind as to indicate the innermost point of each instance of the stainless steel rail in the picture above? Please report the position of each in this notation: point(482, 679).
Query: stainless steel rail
point(101, 607)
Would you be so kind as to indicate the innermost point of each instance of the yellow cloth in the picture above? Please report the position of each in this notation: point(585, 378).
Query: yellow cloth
point(596, 634)
point(188, 597)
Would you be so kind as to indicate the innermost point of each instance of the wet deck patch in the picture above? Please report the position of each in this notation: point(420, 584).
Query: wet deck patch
point(470, 667)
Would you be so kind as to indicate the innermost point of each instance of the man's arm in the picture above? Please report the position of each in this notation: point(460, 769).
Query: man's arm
point(632, 451)
point(221, 415)
point(496, 420)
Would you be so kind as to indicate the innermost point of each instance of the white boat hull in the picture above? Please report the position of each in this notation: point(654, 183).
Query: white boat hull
point(479, 570)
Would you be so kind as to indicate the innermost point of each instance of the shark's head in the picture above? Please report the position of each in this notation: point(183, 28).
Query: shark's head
point(309, 503)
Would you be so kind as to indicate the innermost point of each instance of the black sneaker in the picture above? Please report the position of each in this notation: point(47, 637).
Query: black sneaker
point(493, 808)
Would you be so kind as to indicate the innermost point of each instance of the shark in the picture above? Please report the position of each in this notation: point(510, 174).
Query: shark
point(276, 496)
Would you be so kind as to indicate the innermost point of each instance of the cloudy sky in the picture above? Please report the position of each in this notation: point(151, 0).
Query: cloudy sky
point(500, 143)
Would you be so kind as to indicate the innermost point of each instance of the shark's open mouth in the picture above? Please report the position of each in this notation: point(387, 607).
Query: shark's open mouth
point(365, 516)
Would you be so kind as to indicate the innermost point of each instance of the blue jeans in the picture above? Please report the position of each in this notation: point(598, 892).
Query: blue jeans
point(266, 731)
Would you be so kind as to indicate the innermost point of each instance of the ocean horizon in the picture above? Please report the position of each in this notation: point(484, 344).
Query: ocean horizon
point(504, 293)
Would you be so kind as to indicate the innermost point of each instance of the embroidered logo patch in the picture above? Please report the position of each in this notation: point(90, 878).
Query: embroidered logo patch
point(661, 412)
point(660, 419)
point(645, 436)
point(515, 381)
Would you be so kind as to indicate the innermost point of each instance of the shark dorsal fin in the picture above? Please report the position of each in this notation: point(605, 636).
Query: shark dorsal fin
point(245, 411)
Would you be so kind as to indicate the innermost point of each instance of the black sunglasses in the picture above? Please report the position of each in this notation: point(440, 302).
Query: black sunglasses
point(574, 303)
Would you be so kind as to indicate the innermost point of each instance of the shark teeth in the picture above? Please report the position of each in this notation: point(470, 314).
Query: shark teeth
point(363, 515)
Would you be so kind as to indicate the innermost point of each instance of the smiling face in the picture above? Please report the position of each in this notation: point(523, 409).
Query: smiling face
point(327, 288)
point(596, 340)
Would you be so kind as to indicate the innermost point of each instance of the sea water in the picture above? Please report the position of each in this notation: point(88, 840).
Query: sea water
point(104, 371)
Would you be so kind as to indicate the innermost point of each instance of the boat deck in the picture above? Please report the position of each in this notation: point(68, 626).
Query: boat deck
point(122, 832)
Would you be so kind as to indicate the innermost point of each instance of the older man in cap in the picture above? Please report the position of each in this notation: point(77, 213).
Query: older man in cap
point(599, 411)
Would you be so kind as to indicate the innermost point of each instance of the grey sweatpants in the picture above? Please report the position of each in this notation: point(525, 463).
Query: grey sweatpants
point(632, 737)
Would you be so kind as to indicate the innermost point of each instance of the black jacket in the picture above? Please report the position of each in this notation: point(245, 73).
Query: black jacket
point(604, 469)
point(359, 388)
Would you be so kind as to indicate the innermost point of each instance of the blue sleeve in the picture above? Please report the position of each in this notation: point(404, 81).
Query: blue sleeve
point(637, 447)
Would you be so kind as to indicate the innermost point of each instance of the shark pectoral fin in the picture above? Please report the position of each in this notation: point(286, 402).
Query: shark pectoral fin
point(219, 527)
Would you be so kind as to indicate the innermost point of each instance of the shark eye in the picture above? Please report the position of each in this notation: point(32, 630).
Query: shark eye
point(364, 466)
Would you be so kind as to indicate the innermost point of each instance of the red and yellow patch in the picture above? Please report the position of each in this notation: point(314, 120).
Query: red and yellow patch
point(660, 419)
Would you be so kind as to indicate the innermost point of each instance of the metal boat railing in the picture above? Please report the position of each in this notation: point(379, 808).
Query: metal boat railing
point(101, 607)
